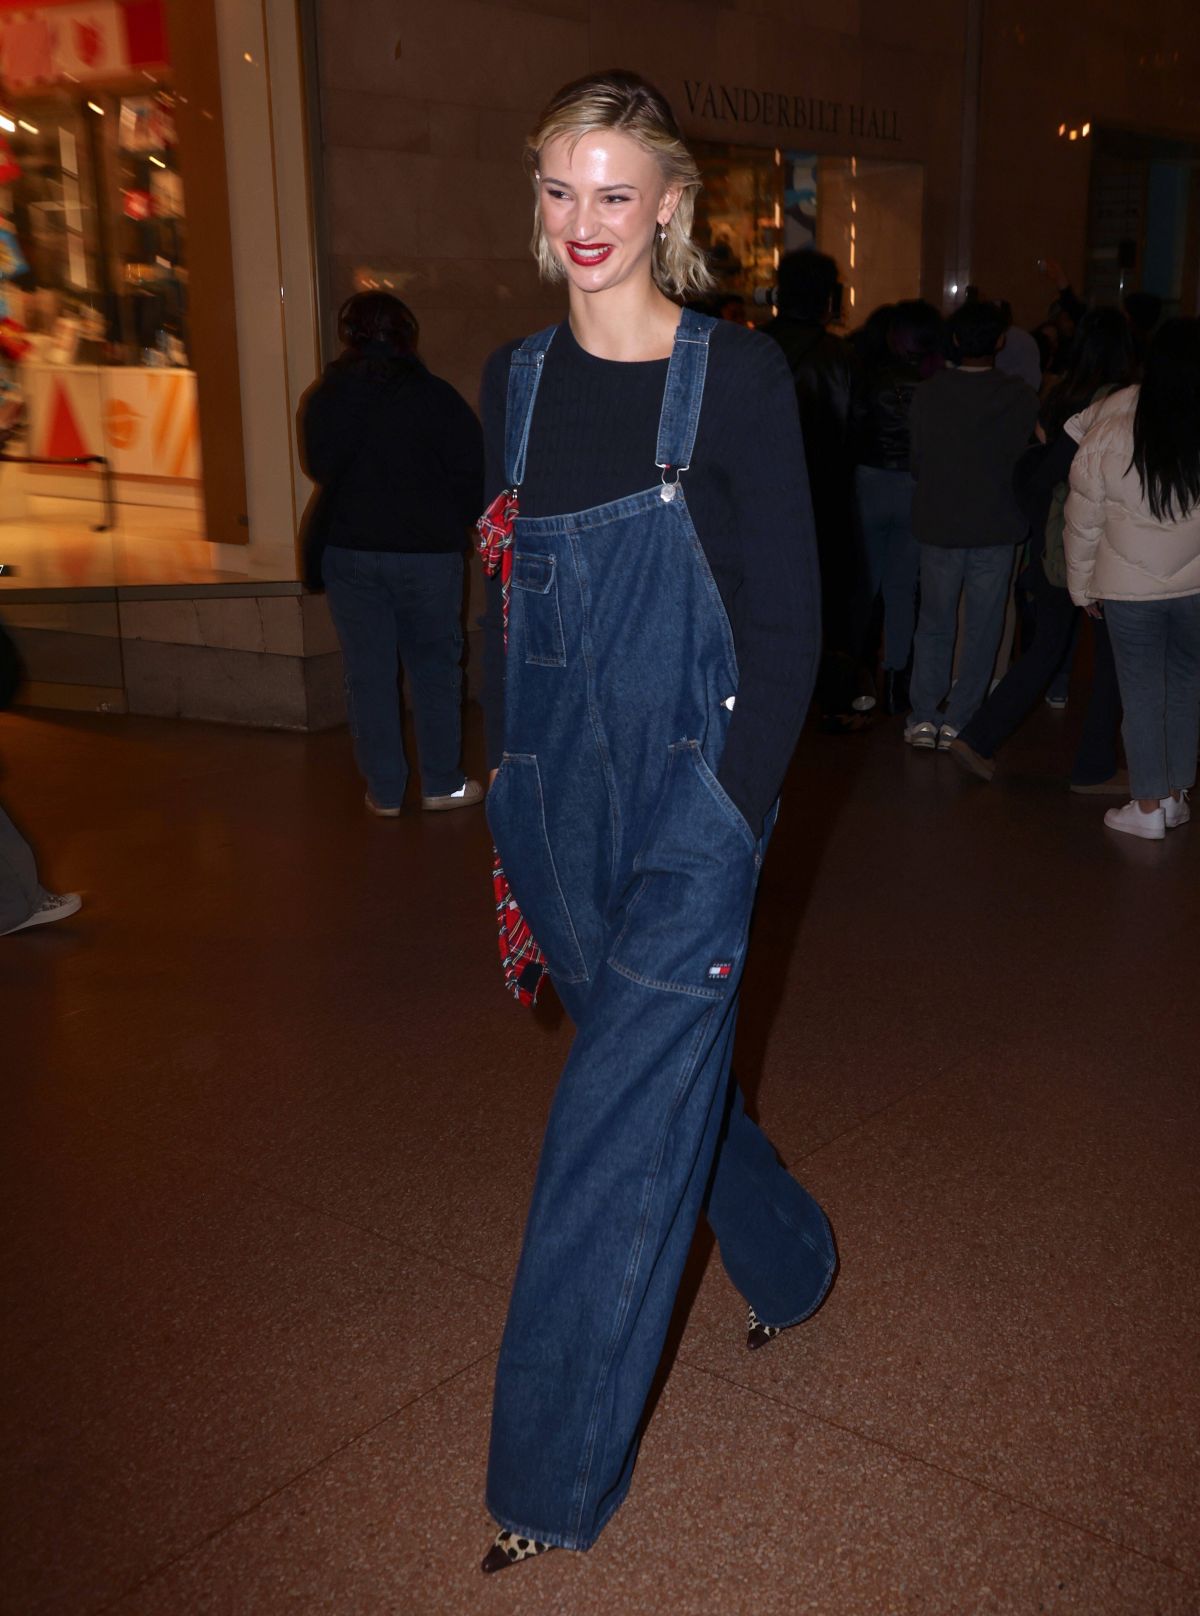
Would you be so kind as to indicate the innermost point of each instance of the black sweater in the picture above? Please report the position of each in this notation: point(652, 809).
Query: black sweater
point(593, 438)
point(399, 457)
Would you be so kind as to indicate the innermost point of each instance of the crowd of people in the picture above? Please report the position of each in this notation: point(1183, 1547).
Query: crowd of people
point(951, 506)
point(956, 564)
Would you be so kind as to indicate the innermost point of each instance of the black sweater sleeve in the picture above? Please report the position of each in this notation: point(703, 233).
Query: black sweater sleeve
point(778, 609)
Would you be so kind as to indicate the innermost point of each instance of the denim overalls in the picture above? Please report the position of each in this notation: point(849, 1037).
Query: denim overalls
point(637, 874)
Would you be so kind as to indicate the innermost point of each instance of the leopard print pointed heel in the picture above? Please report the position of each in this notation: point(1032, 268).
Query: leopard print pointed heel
point(759, 1333)
point(509, 1549)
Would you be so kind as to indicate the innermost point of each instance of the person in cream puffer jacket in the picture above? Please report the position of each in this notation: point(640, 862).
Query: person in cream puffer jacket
point(1116, 548)
point(1132, 540)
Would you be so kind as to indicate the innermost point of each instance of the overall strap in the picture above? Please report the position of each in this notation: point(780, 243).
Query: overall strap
point(524, 374)
point(683, 395)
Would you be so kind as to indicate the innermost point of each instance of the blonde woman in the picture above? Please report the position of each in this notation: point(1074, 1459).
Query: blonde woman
point(662, 635)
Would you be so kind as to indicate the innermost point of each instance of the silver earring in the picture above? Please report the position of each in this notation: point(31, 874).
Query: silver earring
point(662, 232)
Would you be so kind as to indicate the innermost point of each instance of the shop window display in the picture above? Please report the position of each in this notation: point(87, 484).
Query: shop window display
point(865, 213)
point(101, 477)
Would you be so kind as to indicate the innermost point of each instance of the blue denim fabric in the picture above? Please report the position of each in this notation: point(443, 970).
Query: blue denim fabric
point(1156, 645)
point(637, 874)
point(391, 609)
point(892, 557)
point(20, 889)
point(982, 576)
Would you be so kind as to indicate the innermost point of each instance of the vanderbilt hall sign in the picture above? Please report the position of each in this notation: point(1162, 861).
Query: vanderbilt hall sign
point(773, 109)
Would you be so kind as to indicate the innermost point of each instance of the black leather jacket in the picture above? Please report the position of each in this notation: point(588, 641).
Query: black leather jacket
point(820, 364)
point(882, 400)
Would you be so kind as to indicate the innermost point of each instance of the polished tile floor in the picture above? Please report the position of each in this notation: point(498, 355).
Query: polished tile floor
point(270, 1125)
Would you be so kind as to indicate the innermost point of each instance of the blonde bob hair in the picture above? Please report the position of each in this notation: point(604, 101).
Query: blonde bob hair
point(621, 100)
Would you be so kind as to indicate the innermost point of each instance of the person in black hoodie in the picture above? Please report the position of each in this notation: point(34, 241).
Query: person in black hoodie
point(821, 367)
point(883, 395)
point(398, 455)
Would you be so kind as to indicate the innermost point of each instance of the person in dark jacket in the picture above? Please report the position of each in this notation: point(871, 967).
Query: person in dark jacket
point(1103, 360)
point(399, 457)
point(882, 398)
point(968, 428)
point(821, 368)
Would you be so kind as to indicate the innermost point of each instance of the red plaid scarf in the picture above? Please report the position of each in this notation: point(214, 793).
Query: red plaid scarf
point(522, 961)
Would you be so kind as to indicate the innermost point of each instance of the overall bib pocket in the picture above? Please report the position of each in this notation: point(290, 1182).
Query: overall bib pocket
point(685, 924)
point(516, 813)
point(536, 625)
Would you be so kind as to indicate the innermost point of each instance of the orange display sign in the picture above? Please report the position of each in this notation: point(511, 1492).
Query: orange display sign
point(142, 420)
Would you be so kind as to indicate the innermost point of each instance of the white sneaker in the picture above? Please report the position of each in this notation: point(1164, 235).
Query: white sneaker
point(921, 735)
point(1176, 812)
point(54, 906)
point(1131, 819)
point(944, 736)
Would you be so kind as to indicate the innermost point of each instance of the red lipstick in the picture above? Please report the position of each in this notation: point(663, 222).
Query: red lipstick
point(588, 255)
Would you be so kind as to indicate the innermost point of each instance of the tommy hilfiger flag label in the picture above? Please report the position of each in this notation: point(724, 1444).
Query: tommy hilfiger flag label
point(719, 970)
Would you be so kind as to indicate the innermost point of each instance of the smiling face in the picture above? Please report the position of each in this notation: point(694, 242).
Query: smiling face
point(601, 200)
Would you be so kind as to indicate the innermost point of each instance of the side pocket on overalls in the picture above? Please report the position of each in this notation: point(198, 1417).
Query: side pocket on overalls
point(516, 815)
point(687, 920)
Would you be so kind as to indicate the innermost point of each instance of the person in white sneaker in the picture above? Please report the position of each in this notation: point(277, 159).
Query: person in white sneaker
point(1132, 540)
point(24, 901)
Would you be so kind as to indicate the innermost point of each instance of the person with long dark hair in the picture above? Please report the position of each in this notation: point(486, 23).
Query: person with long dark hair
point(1102, 362)
point(652, 644)
point(399, 459)
point(1133, 552)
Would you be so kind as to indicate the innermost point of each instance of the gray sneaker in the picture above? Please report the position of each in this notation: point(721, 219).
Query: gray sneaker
point(469, 793)
point(921, 735)
point(54, 906)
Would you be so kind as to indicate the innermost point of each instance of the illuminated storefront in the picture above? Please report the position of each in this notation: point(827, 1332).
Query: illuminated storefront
point(158, 330)
point(98, 392)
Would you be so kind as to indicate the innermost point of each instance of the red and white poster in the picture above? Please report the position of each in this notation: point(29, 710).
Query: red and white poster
point(76, 43)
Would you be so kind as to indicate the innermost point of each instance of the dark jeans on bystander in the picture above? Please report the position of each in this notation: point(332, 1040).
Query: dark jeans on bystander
point(1008, 706)
point(389, 609)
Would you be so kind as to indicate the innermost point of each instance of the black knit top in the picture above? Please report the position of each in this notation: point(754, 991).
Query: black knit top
point(595, 426)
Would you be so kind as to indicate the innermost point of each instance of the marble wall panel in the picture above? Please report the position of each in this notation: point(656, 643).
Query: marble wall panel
point(453, 129)
point(459, 50)
point(57, 657)
point(173, 622)
point(268, 623)
point(72, 617)
point(391, 122)
point(324, 692)
point(234, 687)
point(578, 9)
